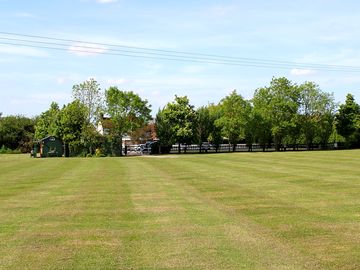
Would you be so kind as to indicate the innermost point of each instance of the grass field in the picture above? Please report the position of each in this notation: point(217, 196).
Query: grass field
point(295, 210)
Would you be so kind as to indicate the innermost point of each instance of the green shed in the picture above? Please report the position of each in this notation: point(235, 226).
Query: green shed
point(50, 146)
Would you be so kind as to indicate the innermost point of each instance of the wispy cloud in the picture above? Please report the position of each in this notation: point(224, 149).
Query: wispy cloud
point(193, 69)
point(344, 56)
point(116, 81)
point(106, 1)
point(41, 99)
point(24, 15)
point(302, 72)
point(85, 49)
point(221, 10)
point(23, 51)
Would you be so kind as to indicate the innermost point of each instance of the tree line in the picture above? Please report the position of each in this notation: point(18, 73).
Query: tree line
point(283, 113)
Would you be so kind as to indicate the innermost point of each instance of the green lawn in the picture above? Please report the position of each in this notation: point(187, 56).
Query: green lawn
point(295, 210)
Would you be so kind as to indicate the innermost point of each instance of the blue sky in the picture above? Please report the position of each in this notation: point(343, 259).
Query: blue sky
point(317, 31)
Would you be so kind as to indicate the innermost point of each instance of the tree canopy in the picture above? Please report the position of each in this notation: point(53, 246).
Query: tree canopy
point(283, 113)
point(89, 94)
point(235, 111)
point(348, 121)
point(179, 118)
point(127, 112)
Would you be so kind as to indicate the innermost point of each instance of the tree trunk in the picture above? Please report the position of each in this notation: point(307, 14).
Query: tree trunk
point(120, 141)
point(66, 150)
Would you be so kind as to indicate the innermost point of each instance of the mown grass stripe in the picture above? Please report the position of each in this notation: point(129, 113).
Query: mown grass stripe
point(182, 212)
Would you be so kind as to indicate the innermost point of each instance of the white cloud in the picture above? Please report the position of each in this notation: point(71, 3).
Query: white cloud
point(43, 99)
point(192, 69)
point(24, 15)
point(222, 10)
point(344, 57)
point(60, 80)
point(302, 72)
point(106, 1)
point(85, 49)
point(24, 51)
point(116, 81)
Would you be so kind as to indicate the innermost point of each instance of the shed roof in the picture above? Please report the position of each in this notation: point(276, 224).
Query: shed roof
point(48, 137)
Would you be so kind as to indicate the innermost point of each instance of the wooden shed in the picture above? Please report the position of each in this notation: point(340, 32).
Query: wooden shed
point(50, 146)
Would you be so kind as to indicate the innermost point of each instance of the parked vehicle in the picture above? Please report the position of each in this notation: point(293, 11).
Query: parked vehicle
point(205, 146)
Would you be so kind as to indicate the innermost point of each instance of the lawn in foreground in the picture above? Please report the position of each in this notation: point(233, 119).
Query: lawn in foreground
point(298, 210)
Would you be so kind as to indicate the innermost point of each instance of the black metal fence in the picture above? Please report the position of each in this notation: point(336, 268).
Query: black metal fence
point(222, 148)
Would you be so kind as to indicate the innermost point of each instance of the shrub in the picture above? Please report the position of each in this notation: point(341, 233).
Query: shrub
point(4, 150)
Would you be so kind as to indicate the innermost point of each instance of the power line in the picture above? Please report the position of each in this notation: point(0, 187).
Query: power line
point(171, 51)
point(137, 56)
point(148, 53)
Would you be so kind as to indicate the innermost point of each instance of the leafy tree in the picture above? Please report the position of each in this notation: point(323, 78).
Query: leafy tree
point(143, 134)
point(203, 125)
point(127, 111)
point(215, 136)
point(260, 119)
point(280, 103)
point(180, 118)
point(234, 116)
point(72, 125)
point(47, 124)
point(16, 132)
point(348, 121)
point(89, 94)
point(316, 113)
point(165, 135)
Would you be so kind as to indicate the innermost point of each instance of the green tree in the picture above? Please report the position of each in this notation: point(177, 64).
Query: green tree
point(348, 121)
point(215, 137)
point(72, 123)
point(47, 124)
point(127, 111)
point(162, 129)
point(16, 132)
point(203, 125)
point(234, 117)
point(180, 118)
point(316, 113)
point(260, 119)
point(89, 94)
point(280, 106)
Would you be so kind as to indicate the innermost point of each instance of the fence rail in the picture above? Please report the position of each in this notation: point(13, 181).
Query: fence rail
point(222, 148)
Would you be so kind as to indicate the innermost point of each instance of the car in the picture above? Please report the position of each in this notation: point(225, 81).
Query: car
point(146, 148)
point(205, 146)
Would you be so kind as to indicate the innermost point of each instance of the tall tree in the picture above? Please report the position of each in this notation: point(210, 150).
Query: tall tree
point(260, 119)
point(72, 125)
point(48, 122)
point(234, 116)
point(203, 125)
point(16, 132)
point(316, 113)
point(180, 118)
point(89, 94)
point(348, 121)
point(215, 137)
point(280, 103)
point(127, 111)
point(165, 135)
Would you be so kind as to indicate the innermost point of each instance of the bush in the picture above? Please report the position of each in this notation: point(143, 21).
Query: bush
point(4, 150)
point(99, 153)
